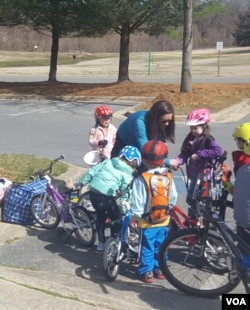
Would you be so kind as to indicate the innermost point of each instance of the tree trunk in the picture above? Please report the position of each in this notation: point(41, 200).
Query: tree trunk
point(186, 74)
point(53, 57)
point(124, 54)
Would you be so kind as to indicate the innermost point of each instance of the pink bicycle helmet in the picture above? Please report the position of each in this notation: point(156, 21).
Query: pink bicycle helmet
point(103, 110)
point(198, 117)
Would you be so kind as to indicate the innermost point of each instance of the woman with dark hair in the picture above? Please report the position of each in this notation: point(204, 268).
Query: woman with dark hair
point(158, 123)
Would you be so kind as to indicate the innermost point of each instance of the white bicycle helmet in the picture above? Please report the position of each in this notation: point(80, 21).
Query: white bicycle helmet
point(198, 117)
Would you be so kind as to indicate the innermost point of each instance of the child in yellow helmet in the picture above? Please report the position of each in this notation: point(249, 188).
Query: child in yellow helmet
point(241, 188)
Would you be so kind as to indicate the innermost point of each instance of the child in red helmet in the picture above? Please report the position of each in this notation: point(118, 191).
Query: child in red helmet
point(153, 231)
point(103, 134)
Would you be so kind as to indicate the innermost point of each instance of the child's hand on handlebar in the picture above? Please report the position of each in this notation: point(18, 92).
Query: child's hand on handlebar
point(102, 143)
point(76, 187)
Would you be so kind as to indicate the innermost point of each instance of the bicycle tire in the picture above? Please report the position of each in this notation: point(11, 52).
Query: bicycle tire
point(86, 234)
point(110, 266)
point(85, 202)
point(185, 270)
point(45, 211)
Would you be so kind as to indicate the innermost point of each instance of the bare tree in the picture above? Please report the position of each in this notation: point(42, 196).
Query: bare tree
point(186, 74)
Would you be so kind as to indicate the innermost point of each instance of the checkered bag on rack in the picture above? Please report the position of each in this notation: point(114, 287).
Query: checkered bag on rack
point(16, 208)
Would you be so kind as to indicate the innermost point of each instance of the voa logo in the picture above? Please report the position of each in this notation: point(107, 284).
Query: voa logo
point(236, 301)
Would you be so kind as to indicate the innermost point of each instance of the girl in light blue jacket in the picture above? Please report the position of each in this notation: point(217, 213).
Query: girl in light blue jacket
point(106, 181)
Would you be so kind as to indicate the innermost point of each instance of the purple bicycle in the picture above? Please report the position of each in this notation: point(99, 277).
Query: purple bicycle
point(52, 208)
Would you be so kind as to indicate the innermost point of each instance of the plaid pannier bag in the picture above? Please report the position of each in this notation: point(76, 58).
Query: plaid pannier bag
point(16, 208)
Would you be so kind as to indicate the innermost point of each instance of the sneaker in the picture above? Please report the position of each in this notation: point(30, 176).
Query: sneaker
point(158, 274)
point(100, 247)
point(146, 277)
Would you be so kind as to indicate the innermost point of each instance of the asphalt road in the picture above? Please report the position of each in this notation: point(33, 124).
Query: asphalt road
point(109, 79)
point(51, 128)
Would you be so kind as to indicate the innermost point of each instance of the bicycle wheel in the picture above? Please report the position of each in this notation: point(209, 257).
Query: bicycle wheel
point(216, 253)
point(45, 211)
point(85, 202)
point(86, 233)
point(185, 269)
point(110, 266)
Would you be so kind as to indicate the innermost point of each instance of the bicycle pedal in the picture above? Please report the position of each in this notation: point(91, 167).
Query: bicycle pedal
point(234, 276)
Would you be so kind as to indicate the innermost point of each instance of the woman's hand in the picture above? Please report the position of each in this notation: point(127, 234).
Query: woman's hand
point(174, 164)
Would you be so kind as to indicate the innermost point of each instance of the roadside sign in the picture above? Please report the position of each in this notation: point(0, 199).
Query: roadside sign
point(219, 46)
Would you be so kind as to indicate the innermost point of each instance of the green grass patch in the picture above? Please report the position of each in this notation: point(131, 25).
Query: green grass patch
point(33, 59)
point(20, 167)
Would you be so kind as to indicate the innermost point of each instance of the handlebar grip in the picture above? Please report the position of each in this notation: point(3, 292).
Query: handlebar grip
point(58, 158)
point(41, 172)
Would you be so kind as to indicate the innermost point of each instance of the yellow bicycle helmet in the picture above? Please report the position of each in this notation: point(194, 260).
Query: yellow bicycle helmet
point(243, 131)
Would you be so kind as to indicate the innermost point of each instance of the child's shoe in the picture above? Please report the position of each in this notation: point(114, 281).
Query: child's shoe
point(100, 247)
point(158, 274)
point(146, 277)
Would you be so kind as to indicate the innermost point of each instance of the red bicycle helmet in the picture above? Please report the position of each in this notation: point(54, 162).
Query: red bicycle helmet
point(103, 110)
point(198, 117)
point(155, 151)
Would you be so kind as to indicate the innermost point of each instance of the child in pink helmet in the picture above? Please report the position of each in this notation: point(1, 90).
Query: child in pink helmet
point(198, 148)
point(103, 134)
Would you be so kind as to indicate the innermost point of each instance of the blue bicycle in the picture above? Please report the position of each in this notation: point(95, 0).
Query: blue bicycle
point(123, 244)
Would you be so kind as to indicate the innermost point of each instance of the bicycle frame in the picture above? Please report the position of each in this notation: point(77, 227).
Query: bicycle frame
point(182, 219)
point(62, 204)
point(123, 236)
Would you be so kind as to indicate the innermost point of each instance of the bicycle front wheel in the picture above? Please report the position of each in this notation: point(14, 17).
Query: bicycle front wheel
point(183, 266)
point(45, 211)
point(85, 232)
point(110, 265)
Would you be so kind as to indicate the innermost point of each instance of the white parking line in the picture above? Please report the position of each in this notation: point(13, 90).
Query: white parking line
point(32, 111)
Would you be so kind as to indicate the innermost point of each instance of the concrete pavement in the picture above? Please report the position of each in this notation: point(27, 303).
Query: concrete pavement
point(29, 289)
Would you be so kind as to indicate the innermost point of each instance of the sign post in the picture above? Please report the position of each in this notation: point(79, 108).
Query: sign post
point(219, 47)
point(149, 61)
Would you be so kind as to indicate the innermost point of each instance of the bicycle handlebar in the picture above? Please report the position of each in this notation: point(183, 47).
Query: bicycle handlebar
point(41, 173)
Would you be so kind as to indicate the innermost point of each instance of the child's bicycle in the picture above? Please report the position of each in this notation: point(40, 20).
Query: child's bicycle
point(183, 258)
point(52, 208)
point(123, 244)
point(206, 259)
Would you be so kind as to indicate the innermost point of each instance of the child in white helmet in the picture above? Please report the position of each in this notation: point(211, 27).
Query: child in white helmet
point(102, 136)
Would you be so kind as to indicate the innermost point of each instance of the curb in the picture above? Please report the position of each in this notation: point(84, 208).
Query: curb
point(230, 114)
point(70, 177)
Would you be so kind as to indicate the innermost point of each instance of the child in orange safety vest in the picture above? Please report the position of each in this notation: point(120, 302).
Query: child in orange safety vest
point(153, 193)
